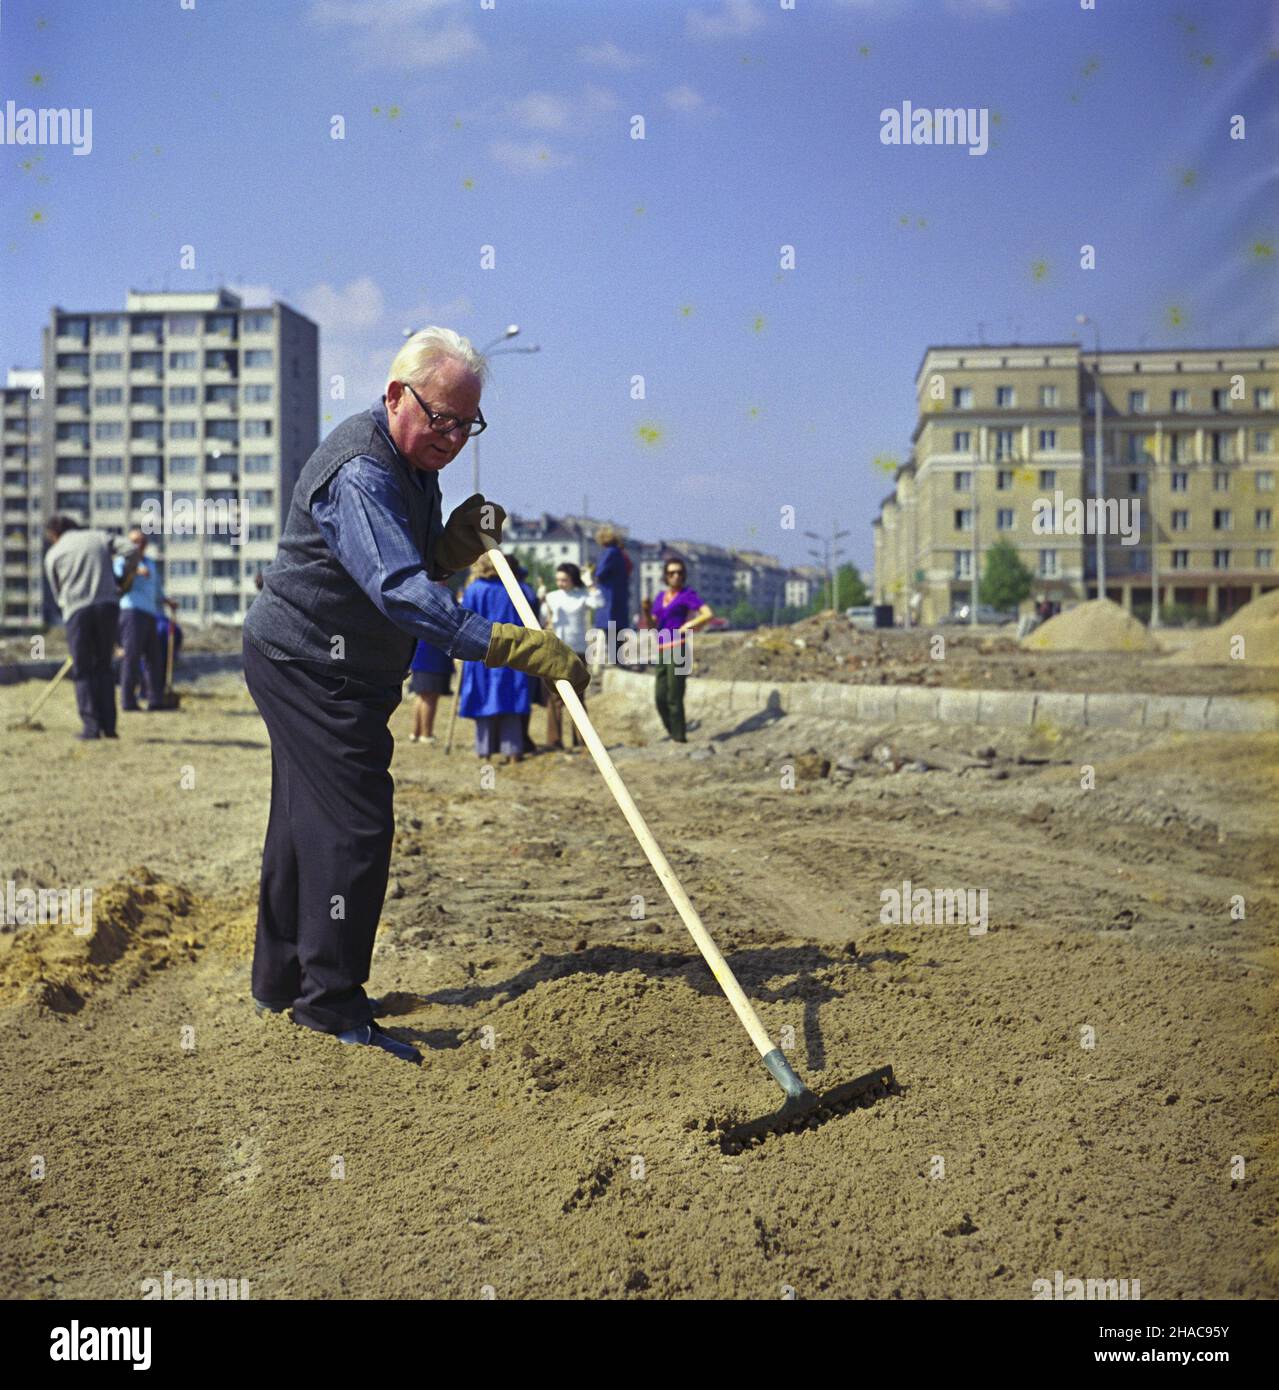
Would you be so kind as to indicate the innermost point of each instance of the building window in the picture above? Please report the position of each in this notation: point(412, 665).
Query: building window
point(108, 429)
point(256, 322)
point(221, 395)
point(963, 564)
point(1221, 481)
point(963, 481)
point(1047, 396)
point(182, 429)
point(220, 323)
point(108, 395)
point(1179, 448)
point(1181, 559)
point(1004, 479)
point(258, 499)
point(108, 501)
point(183, 463)
point(1261, 519)
point(147, 429)
point(963, 442)
point(1047, 441)
point(1221, 520)
point(258, 357)
point(1180, 401)
point(1262, 442)
point(257, 429)
point(184, 361)
point(1220, 398)
point(962, 396)
point(1181, 482)
point(1181, 521)
point(1047, 568)
point(182, 395)
point(73, 361)
point(1005, 444)
point(74, 328)
point(108, 466)
point(1137, 402)
point(1265, 558)
point(964, 519)
point(1047, 477)
point(1004, 519)
point(257, 393)
point(219, 360)
point(1137, 483)
point(258, 463)
point(146, 361)
point(152, 396)
point(261, 533)
point(223, 429)
point(1265, 481)
point(1221, 559)
point(1222, 443)
point(1264, 397)
point(184, 325)
point(1005, 397)
point(106, 328)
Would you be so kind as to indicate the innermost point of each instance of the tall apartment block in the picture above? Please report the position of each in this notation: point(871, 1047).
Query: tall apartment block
point(183, 400)
point(1188, 434)
point(21, 525)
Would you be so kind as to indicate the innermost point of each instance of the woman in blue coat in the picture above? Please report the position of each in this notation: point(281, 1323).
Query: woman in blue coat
point(495, 697)
point(612, 575)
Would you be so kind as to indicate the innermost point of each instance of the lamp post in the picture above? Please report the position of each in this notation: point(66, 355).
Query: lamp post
point(1099, 478)
point(828, 554)
point(512, 331)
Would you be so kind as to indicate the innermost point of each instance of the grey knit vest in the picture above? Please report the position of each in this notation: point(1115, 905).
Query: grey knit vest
point(308, 600)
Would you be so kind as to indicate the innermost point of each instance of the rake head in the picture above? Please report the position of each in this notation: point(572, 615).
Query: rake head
point(808, 1110)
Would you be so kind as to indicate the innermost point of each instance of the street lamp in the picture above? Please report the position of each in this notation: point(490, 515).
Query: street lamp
point(1099, 484)
point(827, 554)
point(512, 331)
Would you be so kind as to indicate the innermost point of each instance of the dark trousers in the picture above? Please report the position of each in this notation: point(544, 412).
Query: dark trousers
point(328, 840)
point(91, 642)
point(142, 659)
point(670, 685)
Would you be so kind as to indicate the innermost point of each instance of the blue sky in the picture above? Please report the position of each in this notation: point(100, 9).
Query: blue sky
point(510, 127)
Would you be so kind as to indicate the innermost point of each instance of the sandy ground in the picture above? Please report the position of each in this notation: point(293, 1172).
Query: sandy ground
point(560, 1140)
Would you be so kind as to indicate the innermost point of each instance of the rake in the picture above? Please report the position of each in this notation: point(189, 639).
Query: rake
point(802, 1107)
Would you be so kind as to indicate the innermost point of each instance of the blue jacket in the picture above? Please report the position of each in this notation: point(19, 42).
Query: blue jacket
point(501, 690)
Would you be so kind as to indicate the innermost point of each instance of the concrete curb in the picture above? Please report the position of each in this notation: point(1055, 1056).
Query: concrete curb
point(189, 666)
point(914, 704)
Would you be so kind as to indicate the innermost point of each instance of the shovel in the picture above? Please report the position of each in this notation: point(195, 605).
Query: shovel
point(802, 1107)
point(28, 720)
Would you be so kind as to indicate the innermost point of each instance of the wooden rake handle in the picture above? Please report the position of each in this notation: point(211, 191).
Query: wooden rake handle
point(661, 866)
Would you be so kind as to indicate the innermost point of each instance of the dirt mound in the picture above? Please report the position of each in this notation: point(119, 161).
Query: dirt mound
point(1096, 626)
point(66, 941)
point(1256, 623)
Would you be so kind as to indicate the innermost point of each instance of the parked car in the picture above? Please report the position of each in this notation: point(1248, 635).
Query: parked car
point(862, 618)
point(985, 614)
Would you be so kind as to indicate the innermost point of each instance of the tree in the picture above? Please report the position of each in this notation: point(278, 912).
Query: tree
point(537, 571)
point(743, 614)
point(1006, 580)
point(850, 588)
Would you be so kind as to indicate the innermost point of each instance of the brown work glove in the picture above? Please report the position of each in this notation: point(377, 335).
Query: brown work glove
point(461, 543)
point(540, 653)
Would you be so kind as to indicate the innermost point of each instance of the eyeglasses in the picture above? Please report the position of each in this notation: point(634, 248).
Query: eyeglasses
point(443, 423)
point(669, 573)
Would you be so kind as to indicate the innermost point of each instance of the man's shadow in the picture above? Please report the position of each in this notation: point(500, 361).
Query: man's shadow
point(761, 719)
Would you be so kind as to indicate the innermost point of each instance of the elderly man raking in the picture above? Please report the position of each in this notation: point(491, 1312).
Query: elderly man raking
point(327, 643)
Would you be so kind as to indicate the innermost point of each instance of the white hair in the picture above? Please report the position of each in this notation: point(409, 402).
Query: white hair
point(420, 353)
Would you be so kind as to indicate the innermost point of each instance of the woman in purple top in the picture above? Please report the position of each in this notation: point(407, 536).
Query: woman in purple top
point(678, 609)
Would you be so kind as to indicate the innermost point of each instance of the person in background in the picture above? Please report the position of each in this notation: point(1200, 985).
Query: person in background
point(494, 696)
point(428, 680)
point(79, 567)
point(566, 609)
point(612, 573)
point(677, 609)
point(140, 608)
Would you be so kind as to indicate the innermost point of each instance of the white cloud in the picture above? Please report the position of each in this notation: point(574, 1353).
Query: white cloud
point(733, 19)
point(599, 98)
point(357, 308)
point(609, 55)
point(683, 98)
point(542, 111)
point(527, 158)
point(255, 296)
point(403, 34)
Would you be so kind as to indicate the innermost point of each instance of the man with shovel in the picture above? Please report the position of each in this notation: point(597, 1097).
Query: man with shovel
point(357, 581)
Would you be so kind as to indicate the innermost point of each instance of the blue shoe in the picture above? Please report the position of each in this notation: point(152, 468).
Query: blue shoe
point(370, 1035)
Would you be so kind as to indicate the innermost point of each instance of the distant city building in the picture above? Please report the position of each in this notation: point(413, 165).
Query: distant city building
point(1006, 432)
point(21, 523)
point(183, 400)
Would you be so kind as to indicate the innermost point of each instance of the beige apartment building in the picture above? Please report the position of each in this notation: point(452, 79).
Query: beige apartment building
point(1005, 436)
point(191, 403)
point(21, 524)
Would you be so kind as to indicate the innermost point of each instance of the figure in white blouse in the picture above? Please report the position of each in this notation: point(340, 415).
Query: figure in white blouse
point(568, 610)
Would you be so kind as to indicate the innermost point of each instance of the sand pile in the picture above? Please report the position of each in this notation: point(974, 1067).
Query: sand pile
point(63, 942)
point(1096, 626)
point(1257, 623)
